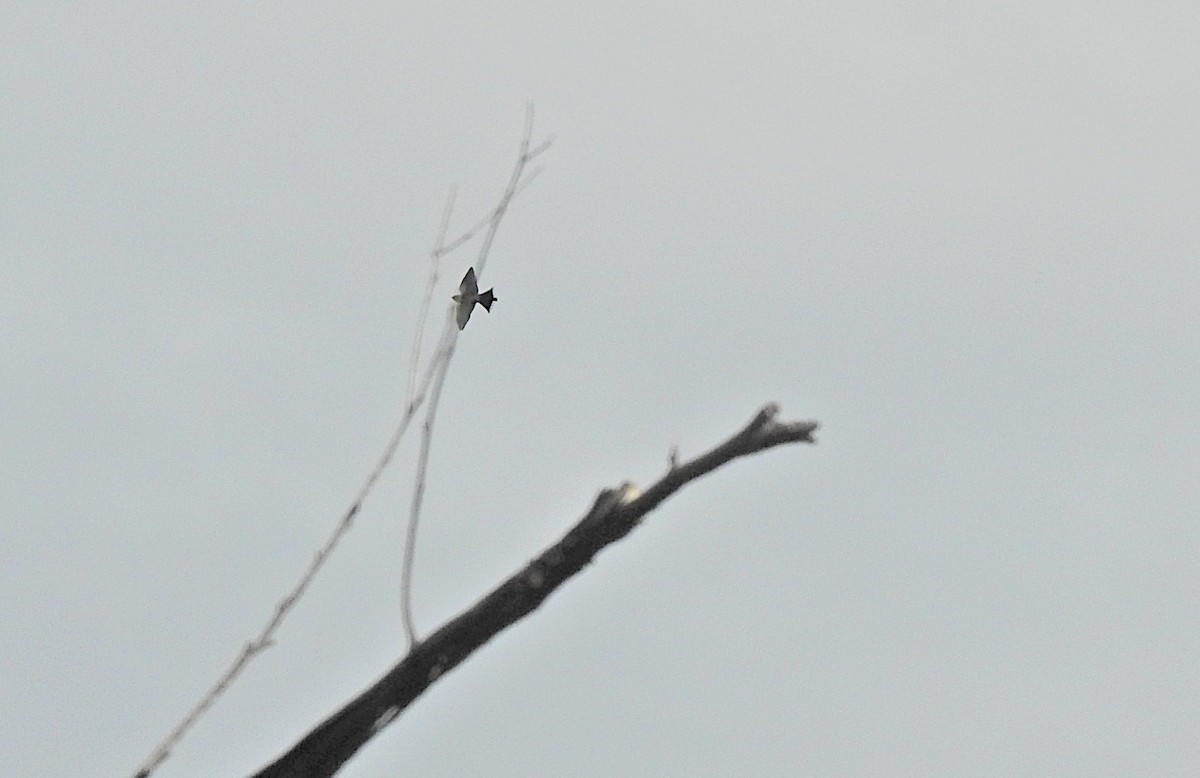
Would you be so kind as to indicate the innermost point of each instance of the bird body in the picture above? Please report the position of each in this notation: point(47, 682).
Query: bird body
point(468, 295)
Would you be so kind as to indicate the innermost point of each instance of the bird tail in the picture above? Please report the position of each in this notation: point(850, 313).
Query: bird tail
point(486, 299)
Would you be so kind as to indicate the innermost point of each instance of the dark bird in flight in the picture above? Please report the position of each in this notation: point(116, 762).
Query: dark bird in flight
point(468, 295)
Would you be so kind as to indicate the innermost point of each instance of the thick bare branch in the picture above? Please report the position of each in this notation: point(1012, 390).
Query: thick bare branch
point(613, 515)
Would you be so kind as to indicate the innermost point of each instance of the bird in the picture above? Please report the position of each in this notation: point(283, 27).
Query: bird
point(468, 295)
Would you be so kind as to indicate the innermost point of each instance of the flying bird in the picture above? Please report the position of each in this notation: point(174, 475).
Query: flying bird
point(468, 295)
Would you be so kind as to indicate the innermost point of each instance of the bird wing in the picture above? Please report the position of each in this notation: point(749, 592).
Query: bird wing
point(469, 286)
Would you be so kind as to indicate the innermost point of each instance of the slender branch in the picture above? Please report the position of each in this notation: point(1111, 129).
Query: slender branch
point(415, 398)
point(486, 220)
point(614, 514)
point(441, 366)
point(410, 541)
point(265, 638)
point(423, 317)
point(511, 191)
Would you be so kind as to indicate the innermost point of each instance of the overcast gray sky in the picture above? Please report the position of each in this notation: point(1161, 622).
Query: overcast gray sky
point(962, 236)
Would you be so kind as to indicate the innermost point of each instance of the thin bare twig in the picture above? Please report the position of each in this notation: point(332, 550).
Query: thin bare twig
point(414, 398)
point(264, 639)
point(423, 317)
point(486, 220)
point(442, 362)
point(441, 367)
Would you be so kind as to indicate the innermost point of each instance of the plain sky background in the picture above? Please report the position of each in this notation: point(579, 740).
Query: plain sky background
point(962, 236)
